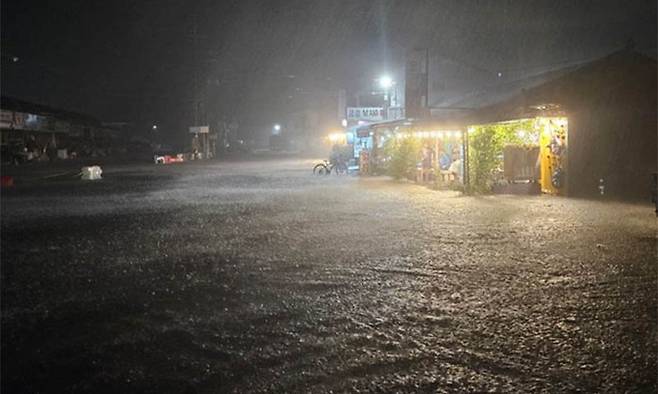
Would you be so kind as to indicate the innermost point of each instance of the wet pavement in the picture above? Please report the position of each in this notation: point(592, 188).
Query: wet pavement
point(257, 276)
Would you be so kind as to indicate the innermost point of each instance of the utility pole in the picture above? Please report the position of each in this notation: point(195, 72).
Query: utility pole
point(195, 69)
point(197, 98)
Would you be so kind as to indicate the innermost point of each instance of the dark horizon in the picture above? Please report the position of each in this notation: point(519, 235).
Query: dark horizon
point(134, 61)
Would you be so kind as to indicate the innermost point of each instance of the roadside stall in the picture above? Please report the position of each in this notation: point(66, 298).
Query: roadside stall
point(522, 156)
point(422, 151)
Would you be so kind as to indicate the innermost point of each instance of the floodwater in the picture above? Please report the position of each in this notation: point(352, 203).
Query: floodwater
point(257, 276)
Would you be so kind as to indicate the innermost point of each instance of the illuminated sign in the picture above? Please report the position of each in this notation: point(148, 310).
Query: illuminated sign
point(199, 129)
point(365, 113)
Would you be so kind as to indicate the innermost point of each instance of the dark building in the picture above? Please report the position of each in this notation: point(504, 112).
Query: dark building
point(31, 129)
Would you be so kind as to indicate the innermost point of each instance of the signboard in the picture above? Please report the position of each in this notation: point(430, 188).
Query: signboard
point(365, 113)
point(6, 119)
point(199, 129)
point(12, 120)
point(19, 120)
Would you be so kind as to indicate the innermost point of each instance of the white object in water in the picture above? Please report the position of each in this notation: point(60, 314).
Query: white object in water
point(91, 173)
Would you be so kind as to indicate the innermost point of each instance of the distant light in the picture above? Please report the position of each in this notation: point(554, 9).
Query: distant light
point(277, 127)
point(344, 122)
point(385, 82)
point(336, 137)
point(155, 127)
point(500, 75)
point(14, 59)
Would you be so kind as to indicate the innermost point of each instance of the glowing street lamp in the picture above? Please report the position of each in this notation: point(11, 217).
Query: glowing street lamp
point(385, 82)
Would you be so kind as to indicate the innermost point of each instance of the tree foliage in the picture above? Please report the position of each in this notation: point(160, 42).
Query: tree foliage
point(486, 145)
point(403, 155)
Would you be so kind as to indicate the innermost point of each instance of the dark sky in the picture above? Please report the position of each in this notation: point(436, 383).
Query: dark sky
point(125, 60)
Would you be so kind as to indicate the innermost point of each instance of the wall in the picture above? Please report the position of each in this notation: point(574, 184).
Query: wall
point(613, 130)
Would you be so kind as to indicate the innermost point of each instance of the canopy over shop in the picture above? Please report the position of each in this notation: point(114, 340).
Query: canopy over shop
point(440, 148)
point(33, 129)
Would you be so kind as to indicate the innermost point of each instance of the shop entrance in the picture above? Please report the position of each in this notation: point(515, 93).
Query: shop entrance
point(531, 152)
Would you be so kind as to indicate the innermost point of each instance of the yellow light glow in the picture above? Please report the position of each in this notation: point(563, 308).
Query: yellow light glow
point(336, 137)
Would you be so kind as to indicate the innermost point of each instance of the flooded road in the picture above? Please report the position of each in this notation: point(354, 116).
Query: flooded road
point(257, 276)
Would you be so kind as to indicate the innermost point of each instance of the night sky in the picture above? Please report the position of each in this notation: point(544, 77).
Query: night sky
point(134, 61)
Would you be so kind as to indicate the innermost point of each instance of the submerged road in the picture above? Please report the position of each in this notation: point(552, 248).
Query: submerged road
point(257, 276)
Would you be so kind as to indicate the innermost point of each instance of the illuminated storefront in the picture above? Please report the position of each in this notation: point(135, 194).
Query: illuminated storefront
point(529, 150)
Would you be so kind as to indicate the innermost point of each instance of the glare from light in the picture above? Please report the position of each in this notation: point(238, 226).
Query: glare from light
point(344, 122)
point(277, 127)
point(155, 127)
point(385, 82)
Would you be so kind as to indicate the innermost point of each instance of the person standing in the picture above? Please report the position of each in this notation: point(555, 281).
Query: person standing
point(51, 150)
point(364, 161)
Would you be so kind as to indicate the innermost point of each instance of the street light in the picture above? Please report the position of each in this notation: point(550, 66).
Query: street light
point(385, 82)
point(276, 129)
